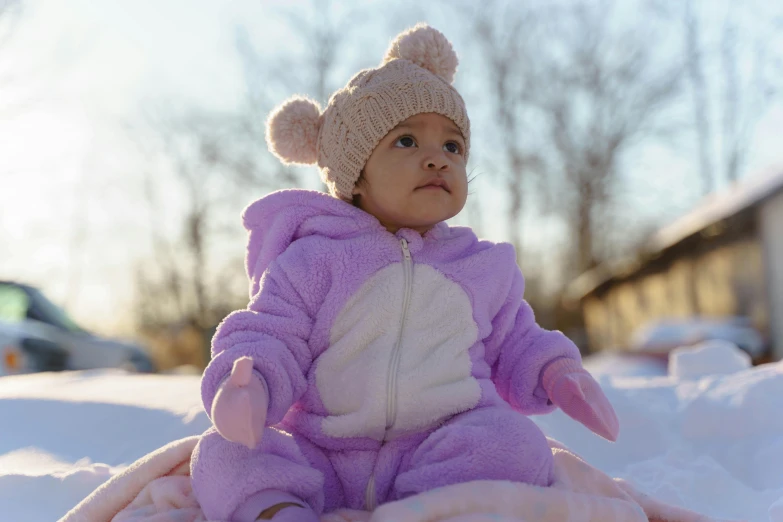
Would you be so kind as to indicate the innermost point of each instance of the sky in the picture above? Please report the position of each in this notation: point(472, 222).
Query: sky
point(92, 66)
point(80, 70)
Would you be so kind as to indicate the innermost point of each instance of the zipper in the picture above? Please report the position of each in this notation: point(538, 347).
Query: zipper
point(369, 494)
point(391, 382)
point(394, 364)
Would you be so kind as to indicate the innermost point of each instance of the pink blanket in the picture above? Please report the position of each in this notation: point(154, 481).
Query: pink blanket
point(156, 488)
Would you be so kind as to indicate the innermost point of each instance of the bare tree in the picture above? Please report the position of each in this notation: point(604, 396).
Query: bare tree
point(324, 37)
point(270, 79)
point(210, 161)
point(731, 94)
point(740, 40)
point(604, 96)
point(191, 209)
point(700, 103)
point(249, 162)
point(744, 102)
point(502, 33)
point(572, 93)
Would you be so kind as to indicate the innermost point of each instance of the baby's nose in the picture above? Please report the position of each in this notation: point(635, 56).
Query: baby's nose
point(435, 162)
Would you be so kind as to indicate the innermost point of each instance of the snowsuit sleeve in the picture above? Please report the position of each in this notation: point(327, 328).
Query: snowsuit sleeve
point(274, 331)
point(524, 349)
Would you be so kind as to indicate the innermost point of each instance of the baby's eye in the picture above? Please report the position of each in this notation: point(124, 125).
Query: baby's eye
point(405, 142)
point(453, 147)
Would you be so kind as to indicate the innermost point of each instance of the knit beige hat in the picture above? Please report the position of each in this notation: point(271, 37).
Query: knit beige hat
point(415, 77)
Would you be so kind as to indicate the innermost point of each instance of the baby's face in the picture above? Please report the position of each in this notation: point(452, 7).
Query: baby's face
point(415, 177)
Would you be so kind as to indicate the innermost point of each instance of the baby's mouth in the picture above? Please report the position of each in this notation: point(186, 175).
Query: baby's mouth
point(435, 184)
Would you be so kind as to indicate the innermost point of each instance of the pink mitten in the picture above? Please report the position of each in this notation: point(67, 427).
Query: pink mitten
point(240, 405)
point(571, 388)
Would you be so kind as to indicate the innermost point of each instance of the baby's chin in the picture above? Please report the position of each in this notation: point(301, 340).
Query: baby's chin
point(427, 222)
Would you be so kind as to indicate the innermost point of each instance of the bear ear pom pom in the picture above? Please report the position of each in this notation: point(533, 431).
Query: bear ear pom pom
point(292, 131)
point(427, 48)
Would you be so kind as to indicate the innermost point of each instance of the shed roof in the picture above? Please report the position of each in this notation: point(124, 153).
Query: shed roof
point(714, 208)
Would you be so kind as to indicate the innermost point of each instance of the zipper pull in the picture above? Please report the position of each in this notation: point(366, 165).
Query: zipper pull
point(405, 251)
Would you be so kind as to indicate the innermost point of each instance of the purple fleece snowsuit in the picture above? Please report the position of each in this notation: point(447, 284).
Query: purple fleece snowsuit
point(395, 363)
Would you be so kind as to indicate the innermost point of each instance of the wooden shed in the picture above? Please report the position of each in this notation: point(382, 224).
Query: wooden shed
point(724, 258)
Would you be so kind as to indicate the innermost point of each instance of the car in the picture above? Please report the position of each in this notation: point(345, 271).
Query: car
point(662, 336)
point(36, 335)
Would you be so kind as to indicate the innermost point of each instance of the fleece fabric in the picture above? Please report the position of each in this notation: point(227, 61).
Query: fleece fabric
point(395, 363)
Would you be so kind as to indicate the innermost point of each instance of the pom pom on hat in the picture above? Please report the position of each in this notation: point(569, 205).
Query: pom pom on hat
point(292, 131)
point(427, 48)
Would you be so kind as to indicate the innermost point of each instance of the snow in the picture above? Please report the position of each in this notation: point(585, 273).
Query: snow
point(65, 433)
point(712, 443)
point(625, 364)
point(708, 358)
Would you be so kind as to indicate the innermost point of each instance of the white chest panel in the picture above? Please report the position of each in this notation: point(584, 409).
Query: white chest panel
point(433, 377)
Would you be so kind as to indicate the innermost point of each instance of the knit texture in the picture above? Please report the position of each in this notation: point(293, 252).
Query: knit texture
point(414, 78)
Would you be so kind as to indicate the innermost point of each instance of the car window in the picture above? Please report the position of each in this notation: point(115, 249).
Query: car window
point(13, 304)
point(42, 309)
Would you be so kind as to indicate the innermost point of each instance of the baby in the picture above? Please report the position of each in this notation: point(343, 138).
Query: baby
point(383, 353)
